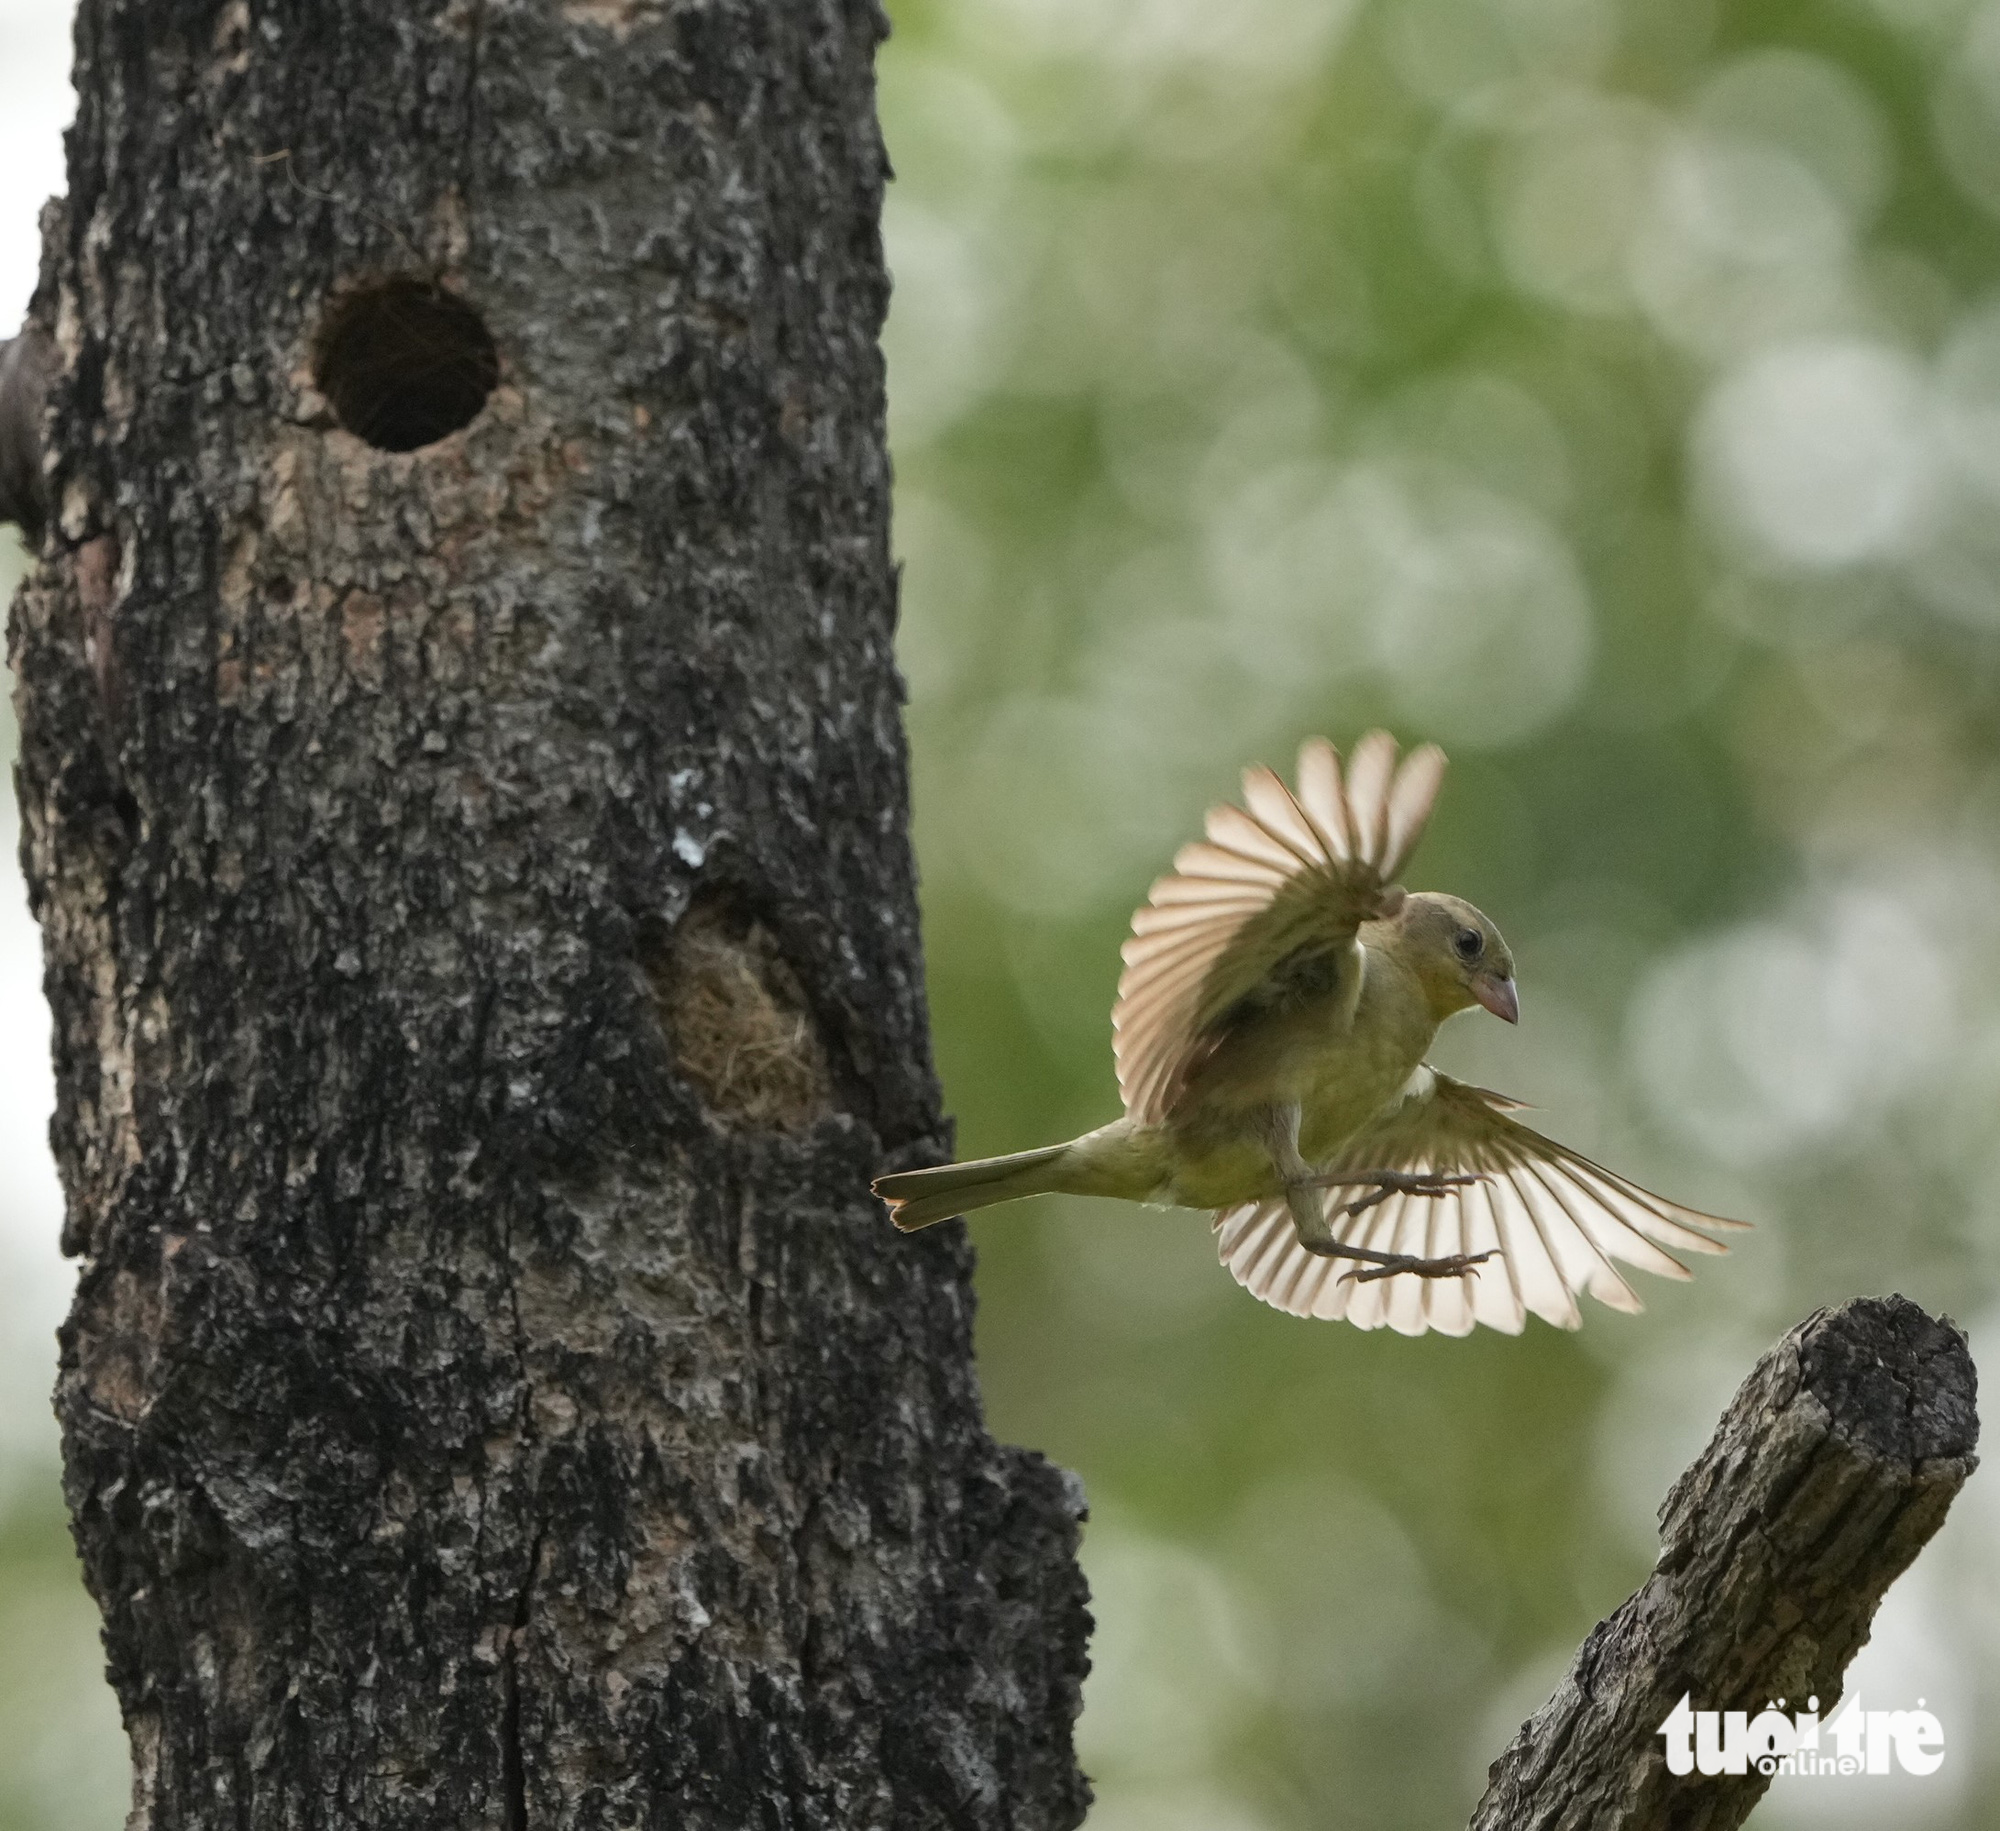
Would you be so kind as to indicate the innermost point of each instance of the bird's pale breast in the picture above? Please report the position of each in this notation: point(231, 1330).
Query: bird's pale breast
point(1340, 1059)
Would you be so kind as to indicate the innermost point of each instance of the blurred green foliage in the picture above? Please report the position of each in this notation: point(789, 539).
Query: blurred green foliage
point(1612, 393)
point(62, 1753)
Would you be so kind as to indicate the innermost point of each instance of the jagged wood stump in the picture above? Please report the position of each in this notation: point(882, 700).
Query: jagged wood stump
point(1834, 1464)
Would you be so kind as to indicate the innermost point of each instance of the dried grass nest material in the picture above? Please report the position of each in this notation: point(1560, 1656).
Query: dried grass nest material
point(737, 1018)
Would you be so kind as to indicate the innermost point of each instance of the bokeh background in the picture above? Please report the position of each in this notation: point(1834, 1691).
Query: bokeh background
point(1608, 389)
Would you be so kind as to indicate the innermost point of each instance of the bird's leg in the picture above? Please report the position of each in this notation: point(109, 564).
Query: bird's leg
point(1314, 1225)
point(1321, 1239)
point(1302, 1196)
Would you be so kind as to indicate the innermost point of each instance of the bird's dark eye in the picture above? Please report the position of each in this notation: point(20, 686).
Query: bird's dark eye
point(1468, 943)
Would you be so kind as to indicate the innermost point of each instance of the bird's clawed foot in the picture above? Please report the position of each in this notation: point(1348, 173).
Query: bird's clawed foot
point(1316, 1233)
point(1394, 1264)
point(1386, 1183)
point(1455, 1265)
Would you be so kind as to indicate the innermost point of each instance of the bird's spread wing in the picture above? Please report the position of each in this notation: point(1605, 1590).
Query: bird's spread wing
point(1284, 872)
point(1557, 1219)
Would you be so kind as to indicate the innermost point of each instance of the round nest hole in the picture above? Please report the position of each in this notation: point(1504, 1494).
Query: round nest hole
point(404, 363)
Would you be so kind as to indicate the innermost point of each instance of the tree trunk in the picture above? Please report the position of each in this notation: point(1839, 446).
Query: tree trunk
point(464, 799)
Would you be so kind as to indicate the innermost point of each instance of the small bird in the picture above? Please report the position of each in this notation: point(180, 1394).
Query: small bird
point(1280, 993)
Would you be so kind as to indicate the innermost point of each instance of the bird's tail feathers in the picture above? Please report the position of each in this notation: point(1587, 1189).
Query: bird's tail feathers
point(920, 1198)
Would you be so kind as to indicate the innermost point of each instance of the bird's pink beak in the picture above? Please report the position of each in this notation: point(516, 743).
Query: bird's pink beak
point(1498, 996)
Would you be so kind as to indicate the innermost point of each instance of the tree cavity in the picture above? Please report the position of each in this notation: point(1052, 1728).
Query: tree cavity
point(404, 362)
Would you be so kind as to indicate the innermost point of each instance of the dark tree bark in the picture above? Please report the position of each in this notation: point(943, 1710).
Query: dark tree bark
point(24, 376)
point(482, 943)
point(1834, 1464)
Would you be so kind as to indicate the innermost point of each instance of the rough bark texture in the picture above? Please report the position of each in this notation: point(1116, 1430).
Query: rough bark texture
point(482, 944)
point(1831, 1469)
point(23, 396)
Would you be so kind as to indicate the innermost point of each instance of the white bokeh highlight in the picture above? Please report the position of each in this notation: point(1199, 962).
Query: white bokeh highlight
point(1789, 1035)
point(36, 103)
point(1820, 452)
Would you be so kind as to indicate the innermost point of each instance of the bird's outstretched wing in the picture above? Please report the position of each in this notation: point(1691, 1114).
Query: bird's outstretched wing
point(1557, 1219)
point(1283, 872)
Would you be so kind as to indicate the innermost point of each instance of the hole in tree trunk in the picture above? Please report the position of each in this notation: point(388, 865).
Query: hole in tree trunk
point(405, 362)
point(737, 1018)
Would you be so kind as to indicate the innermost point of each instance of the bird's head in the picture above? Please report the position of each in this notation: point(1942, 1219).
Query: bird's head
point(1456, 954)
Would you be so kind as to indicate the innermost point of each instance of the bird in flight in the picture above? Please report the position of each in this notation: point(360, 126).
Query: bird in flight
point(1280, 993)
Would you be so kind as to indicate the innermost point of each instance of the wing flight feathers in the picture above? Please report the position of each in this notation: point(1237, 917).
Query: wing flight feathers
point(1411, 797)
point(1368, 778)
point(1281, 871)
point(1323, 797)
point(1561, 1225)
point(1272, 807)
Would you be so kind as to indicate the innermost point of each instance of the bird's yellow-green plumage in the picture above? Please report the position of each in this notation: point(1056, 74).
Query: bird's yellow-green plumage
point(1279, 996)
